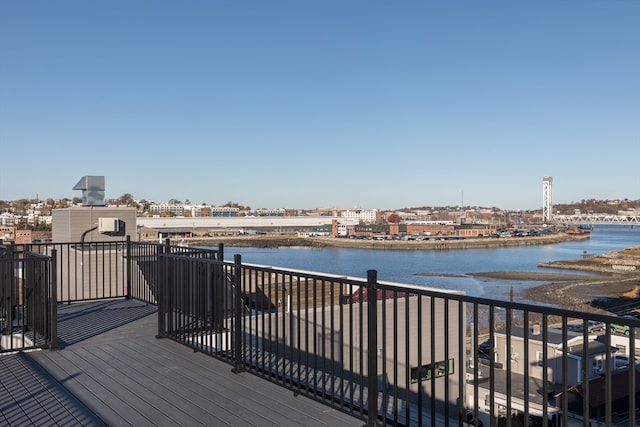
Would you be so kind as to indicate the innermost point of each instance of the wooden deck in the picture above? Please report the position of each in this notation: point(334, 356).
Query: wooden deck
point(111, 370)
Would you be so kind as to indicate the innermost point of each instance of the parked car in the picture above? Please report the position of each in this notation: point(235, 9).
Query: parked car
point(484, 350)
point(620, 329)
point(595, 326)
point(484, 347)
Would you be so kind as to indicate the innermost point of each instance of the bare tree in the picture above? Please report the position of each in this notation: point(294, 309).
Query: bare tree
point(126, 200)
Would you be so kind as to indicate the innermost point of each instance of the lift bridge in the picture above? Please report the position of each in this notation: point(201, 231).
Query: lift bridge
point(596, 219)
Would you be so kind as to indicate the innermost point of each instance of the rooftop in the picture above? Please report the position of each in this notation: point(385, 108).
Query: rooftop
point(111, 370)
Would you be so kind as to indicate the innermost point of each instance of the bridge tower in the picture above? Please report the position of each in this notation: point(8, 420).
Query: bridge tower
point(546, 199)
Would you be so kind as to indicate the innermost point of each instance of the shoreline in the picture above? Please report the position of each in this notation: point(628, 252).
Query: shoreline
point(614, 287)
point(267, 241)
point(606, 290)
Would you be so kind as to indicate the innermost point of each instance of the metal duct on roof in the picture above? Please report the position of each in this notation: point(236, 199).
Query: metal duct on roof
point(92, 190)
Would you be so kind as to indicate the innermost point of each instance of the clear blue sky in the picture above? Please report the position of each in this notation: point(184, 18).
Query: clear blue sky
point(304, 104)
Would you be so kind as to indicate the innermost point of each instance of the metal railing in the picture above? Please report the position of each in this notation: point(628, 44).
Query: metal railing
point(143, 269)
point(27, 300)
point(385, 352)
point(395, 354)
point(34, 278)
point(88, 271)
point(113, 269)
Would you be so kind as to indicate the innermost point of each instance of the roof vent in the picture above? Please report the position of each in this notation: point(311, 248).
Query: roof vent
point(92, 190)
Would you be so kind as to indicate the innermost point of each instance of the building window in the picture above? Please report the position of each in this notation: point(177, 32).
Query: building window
point(598, 366)
point(539, 358)
point(436, 370)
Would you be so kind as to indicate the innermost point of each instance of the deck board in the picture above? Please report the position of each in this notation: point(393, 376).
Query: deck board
point(111, 370)
point(191, 383)
point(29, 396)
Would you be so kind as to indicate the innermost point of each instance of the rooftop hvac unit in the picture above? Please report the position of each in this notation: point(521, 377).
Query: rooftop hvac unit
point(111, 226)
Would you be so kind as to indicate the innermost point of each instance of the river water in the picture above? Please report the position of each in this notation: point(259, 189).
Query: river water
point(407, 266)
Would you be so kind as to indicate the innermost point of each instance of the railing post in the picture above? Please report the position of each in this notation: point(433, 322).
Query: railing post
point(220, 251)
point(238, 325)
point(161, 285)
point(372, 347)
point(127, 292)
point(53, 282)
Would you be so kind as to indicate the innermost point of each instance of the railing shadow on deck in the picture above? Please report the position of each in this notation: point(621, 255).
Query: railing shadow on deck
point(25, 384)
point(81, 321)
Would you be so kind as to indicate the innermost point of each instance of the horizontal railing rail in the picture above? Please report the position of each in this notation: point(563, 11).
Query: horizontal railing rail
point(403, 355)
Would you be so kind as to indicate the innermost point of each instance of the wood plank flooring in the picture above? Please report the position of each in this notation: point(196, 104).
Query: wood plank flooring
point(111, 370)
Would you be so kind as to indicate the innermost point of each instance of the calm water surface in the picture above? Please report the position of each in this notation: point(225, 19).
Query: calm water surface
point(406, 266)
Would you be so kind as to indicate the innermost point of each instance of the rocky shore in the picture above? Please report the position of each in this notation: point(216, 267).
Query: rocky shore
point(614, 288)
point(271, 241)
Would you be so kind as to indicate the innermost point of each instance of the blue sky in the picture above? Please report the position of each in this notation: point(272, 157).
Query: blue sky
point(305, 104)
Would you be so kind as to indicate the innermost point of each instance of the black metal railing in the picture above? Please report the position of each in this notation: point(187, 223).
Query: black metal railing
point(143, 268)
point(402, 355)
point(27, 300)
point(387, 353)
point(113, 269)
point(34, 278)
point(87, 271)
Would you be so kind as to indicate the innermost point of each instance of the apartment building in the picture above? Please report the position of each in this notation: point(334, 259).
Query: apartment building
point(160, 208)
point(372, 216)
point(7, 233)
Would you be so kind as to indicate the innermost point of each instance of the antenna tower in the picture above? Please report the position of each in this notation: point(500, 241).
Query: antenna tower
point(546, 199)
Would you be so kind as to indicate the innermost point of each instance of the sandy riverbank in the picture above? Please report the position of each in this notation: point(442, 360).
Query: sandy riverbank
point(598, 292)
point(604, 293)
point(608, 290)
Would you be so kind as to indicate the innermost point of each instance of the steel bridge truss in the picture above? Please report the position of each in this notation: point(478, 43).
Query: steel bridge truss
point(596, 219)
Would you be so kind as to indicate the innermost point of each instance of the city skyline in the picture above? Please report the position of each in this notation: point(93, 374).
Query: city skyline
point(585, 206)
point(290, 104)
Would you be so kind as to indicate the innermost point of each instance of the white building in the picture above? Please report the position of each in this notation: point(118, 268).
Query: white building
point(270, 212)
point(224, 211)
point(159, 208)
point(368, 216)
